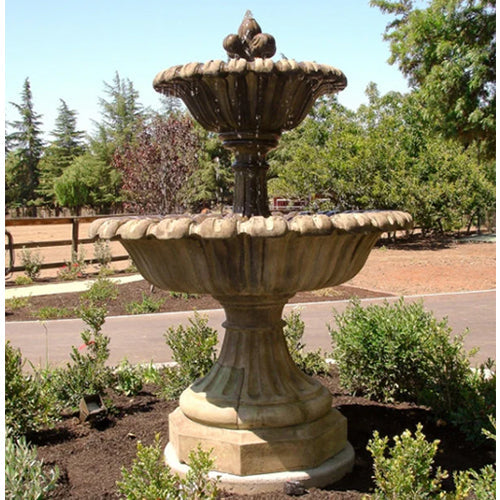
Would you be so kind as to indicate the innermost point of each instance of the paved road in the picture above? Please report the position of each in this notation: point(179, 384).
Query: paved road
point(140, 338)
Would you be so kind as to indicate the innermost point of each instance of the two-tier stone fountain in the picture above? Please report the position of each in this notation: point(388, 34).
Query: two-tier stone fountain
point(265, 421)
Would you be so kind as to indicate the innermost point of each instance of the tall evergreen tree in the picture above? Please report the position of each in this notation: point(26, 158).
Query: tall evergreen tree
point(26, 148)
point(66, 146)
point(121, 115)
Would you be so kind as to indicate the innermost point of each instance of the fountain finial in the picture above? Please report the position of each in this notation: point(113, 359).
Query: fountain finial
point(250, 42)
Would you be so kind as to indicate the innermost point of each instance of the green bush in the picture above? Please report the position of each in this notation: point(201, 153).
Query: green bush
point(101, 291)
point(23, 280)
point(183, 295)
point(193, 348)
point(87, 372)
point(128, 379)
point(25, 476)
point(52, 312)
point(312, 363)
point(102, 253)
point(401, 352)
point(32, 262)
point(17, 303)
point(406, 472)
point(147, 306)
point(74, 269)
point(29, 405)
point(150, 479)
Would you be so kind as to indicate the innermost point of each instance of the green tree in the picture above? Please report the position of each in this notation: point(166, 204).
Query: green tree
point(26, 147)
point(88, 181)
point(121, 117)
point(448, 53)
point(68, 143)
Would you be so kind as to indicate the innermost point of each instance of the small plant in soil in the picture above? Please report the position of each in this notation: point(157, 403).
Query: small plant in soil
point(32, 262)
point(17, 303)
point(406, 471)
point(128, 379)
point(30, 405)
point(101, 291)
point(26, 477)
point(74, 269)
point(183, 295)
point(102, 253)
point(150, 479)
point(51, 312)
point(87, 373)
point(146, 306)
point(23, 280)
point(312, 363)
point(193, 348)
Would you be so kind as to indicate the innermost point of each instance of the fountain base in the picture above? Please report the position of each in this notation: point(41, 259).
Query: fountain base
point(250, 461)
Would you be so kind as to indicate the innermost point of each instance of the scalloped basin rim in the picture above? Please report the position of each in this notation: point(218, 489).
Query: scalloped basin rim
point(218, 68)
point(222, 227)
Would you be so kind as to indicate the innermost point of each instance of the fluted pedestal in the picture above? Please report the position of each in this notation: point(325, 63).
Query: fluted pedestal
point(255, 409)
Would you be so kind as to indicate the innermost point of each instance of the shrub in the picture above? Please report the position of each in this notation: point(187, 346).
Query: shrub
point(25, 475)
point(74, 269)
point(183, 295)
point(401, 352)
point(102, 253)
point(147, 306)
point(150, 479)
point(101, 291)
point(87, 373)
point(312, 363)
point(32, 262)
point(478, 485)
point(193, 348)
point(52, 312)
point(406, 472)
point(29, 406)
point(128, 379)
point(17, 303)
point(23, 280)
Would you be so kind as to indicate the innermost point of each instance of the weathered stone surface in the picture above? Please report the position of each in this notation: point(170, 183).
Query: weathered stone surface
point(260, 451)
point(250, 256)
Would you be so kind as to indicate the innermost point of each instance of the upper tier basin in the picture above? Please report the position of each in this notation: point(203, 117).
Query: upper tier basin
point(250, 97)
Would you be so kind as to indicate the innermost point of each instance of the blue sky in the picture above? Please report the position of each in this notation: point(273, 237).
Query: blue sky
point(69, 48)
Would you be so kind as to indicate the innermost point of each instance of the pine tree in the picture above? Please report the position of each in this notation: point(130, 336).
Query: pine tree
point(26, 148)
point(66, 146)
point(121, 115)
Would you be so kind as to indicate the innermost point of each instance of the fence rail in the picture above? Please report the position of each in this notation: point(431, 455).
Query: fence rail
point(74, 242)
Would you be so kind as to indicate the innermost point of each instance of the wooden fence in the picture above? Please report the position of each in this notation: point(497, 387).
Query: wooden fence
point(74, 242)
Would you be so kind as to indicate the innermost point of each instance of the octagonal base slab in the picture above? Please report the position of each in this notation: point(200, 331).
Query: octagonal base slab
point(329, 472)
point(260, 451)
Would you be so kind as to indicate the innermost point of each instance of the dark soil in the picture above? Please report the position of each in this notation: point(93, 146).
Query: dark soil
point(90, 458)
point(132, 292)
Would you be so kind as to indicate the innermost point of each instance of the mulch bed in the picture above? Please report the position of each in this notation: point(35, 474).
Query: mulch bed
point(132, 292)
point(90, 458)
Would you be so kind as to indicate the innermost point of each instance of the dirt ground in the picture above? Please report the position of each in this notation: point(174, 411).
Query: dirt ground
point(90, 458)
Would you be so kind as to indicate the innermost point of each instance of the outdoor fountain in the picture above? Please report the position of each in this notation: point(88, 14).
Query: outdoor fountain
point(265, 421)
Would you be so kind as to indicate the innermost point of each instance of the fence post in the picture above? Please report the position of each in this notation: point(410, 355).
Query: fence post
point(74, 236)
